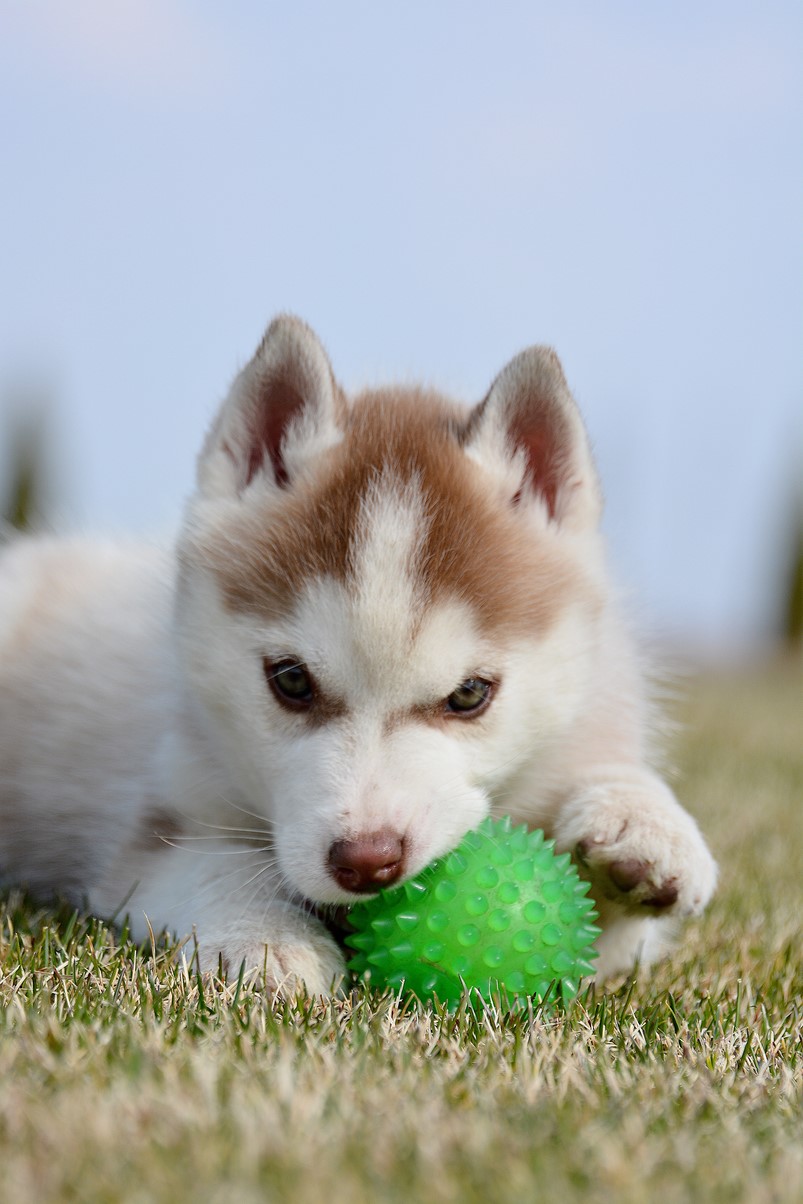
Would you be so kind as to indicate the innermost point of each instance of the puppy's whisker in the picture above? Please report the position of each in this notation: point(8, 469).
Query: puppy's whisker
point(227, 852)
point(221, 832)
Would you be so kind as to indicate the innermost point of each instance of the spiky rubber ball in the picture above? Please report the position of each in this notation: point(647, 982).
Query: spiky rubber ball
point(502, 914)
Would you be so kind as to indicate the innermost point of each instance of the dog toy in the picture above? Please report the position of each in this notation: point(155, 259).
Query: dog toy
point(501, 914)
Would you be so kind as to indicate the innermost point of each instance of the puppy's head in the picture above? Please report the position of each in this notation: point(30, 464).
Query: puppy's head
point(387, 604)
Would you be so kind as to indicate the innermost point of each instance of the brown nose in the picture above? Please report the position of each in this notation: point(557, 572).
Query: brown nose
point(366, 864)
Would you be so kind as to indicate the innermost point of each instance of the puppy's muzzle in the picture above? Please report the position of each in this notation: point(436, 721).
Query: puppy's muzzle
point(366, 864)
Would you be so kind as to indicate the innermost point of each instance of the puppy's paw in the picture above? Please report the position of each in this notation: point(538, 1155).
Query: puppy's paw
point(288, 967)
point(291, 953)
point(638, 847)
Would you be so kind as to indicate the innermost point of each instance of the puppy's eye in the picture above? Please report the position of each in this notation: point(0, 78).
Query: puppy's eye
point(470, 697)
point(291, 683)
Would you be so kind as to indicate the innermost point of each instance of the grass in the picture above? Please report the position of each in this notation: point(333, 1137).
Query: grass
point(122, 1078)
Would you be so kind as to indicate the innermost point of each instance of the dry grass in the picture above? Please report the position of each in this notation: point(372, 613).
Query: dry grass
point(124, 1080)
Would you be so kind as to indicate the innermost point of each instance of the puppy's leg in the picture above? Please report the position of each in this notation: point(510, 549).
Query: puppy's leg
point(286, 949)
point(643, 854)
point(225, 903)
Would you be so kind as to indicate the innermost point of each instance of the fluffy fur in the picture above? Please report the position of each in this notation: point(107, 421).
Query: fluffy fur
point(394, 546)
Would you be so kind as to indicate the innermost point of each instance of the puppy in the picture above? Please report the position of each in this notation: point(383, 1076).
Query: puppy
point(385, 618)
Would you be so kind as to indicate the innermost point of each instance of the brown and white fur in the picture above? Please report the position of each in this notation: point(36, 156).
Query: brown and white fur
point(393, 547)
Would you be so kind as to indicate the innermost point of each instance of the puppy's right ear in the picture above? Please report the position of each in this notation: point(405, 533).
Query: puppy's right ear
point(529, 433)
point(279, 414)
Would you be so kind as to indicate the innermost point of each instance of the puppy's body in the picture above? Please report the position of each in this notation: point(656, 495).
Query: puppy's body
point(386, 618)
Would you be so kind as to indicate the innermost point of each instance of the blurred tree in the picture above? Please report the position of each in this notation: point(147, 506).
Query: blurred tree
point(21, 493)
point(24, 479)
point(793, 619)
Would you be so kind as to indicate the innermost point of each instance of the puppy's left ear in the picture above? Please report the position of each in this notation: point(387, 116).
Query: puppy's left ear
point(529, 432)
point(281, 413)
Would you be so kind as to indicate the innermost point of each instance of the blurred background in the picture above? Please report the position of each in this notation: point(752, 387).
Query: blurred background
point(433, 187)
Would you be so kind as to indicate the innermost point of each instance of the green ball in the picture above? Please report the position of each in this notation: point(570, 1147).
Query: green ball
point(502, 914)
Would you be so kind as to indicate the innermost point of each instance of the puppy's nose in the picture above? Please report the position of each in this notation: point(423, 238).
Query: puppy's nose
point(367, 863)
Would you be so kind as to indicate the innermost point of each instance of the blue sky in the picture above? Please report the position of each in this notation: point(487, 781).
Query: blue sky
point(432, 186)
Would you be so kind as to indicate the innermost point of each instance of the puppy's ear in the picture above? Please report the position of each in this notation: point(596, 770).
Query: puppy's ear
point(280, 413)
point(529, 432)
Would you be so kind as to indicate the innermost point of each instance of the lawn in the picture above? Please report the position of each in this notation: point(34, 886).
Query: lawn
point(123, 1079)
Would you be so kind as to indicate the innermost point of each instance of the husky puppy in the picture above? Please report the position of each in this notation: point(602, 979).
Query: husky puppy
point(386, 617)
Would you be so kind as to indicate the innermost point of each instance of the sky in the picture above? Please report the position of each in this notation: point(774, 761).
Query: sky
point(433, 187)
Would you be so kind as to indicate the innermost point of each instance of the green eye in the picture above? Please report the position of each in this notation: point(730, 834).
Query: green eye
point(470, 697)
point(291, 683)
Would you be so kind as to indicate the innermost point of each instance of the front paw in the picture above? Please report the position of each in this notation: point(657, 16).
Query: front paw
point(638, 848)
point(291, 953)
